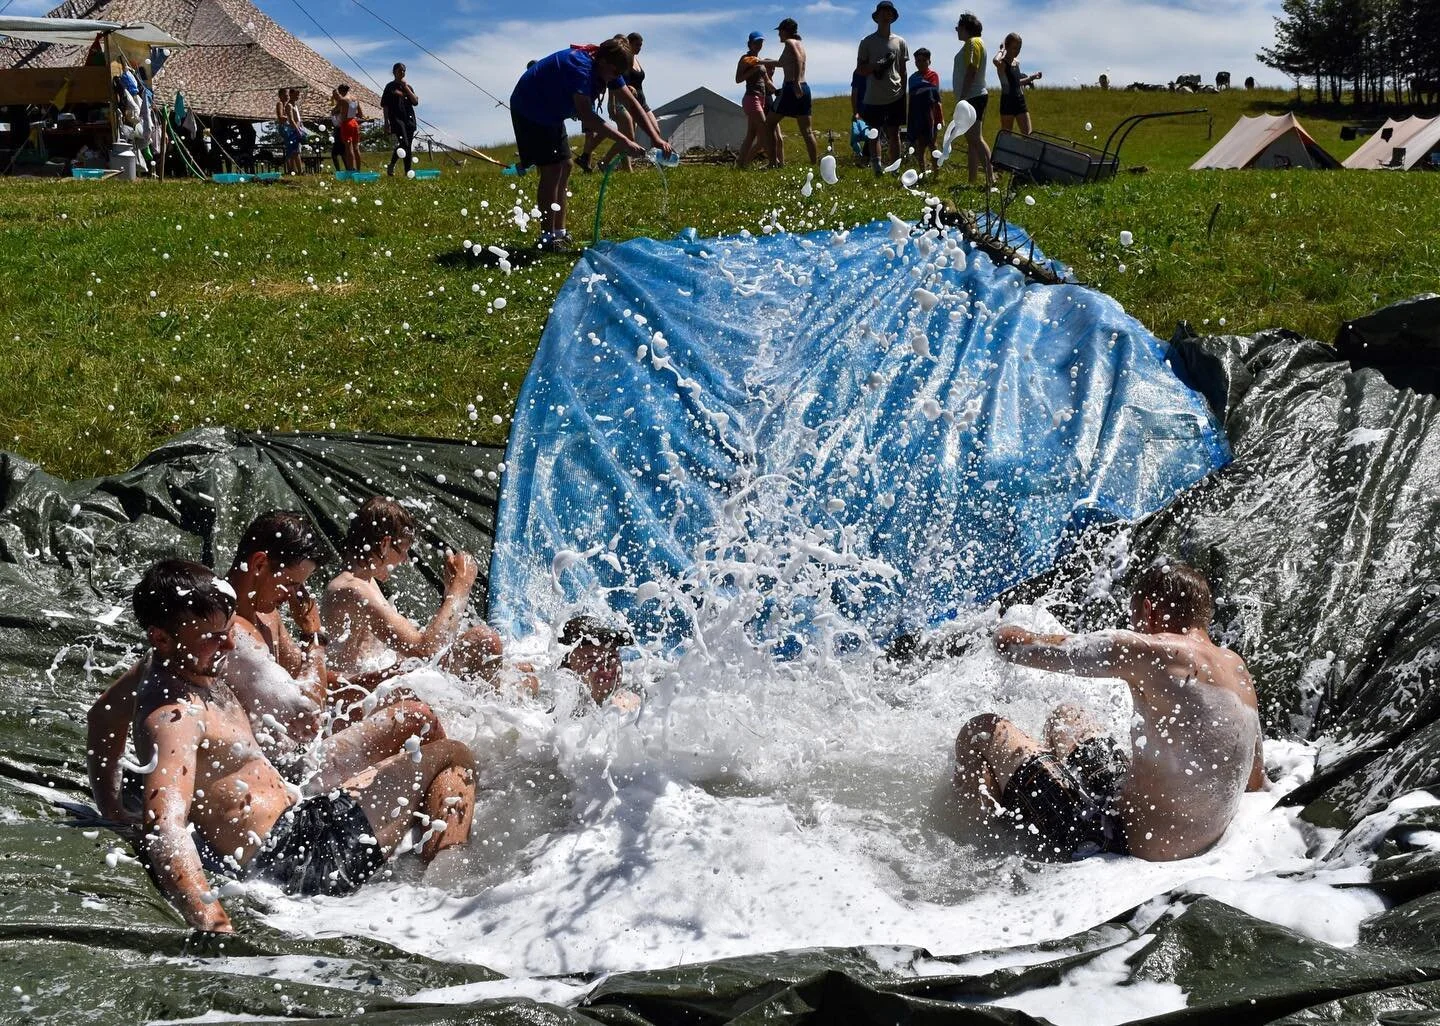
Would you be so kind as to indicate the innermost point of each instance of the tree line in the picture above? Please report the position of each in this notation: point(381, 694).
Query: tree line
point(1379, 50)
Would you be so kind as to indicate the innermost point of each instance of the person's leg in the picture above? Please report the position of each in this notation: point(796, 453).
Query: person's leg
point(753, 126)
point(978, 154)
point(1025, 127)
point(1067, 726)
point(549, 191)
point(626, 123)
point(892, 140)
point(1007, 122)
point(562, 186)
point(372, 740)
point(475, 653)
point(988, 750)
point(409, 152)
point(438, 782)
point(777, 140)
point(808, 134)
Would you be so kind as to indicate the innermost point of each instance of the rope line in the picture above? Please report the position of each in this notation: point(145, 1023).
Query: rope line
point(440, 60)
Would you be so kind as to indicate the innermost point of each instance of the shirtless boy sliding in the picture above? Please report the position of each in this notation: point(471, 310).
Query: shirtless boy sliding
point(210, 775)
point(368, 634)
point(1195, 744)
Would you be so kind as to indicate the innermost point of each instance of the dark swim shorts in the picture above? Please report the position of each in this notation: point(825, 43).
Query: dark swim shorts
point(322, 845)
point(792, 104)
point(1070, 808)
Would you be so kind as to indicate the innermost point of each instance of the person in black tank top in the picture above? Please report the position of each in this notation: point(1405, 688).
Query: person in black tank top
point(1013, 107)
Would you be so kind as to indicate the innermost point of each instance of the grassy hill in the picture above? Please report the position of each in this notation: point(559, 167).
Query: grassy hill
point(133, 312)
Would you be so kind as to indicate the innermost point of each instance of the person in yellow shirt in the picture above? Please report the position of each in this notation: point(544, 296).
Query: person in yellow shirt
point(968, 81)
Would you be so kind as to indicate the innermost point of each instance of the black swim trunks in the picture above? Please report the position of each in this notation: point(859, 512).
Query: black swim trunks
point(322, 845)
point(1070, 808)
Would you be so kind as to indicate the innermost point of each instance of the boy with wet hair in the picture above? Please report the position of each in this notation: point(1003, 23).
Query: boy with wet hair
point(593, 658)
point(371, 635)
point(1195, 743)
point(208, 784)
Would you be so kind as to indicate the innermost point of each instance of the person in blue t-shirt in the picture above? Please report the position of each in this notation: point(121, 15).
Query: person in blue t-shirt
point(566, 85)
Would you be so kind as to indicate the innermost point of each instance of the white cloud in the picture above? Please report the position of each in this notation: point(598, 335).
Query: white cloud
point(1146, 40)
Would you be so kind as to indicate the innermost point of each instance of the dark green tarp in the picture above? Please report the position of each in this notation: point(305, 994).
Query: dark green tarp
point(1323, 544)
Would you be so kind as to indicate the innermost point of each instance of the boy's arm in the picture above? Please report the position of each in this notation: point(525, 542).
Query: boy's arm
point(107, 727)
point(395, 629)
point(1102, 654)
point(168, 847)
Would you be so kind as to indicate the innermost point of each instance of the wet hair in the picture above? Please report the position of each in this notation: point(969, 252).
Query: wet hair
point(616, 52)
point(635, 39)
point(1177, 591)
point(970, 23)
point(344, 89)
point(175, 590)
point(285, 537)
point(591, 630)
point(377, 519)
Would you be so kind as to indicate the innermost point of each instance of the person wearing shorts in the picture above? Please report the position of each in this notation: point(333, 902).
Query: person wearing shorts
point(884, 58)
point(752, 71)
point(321, 845)
point(926, 114)
point(1013, 107)
point(793, 99)
point(349, 112)
point(969, 84)
point(566, 84)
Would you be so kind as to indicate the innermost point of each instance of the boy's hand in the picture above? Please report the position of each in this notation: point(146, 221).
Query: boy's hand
point(460, 569)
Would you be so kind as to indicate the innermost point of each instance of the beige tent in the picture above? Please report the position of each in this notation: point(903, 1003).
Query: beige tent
point(1399, 145)
point(702, 119)
point(1266, 141)
point(236, 57)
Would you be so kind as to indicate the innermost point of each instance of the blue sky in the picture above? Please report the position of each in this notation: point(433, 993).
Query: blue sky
point(696, 42)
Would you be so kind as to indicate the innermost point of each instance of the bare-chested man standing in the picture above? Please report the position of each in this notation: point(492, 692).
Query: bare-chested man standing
point(1195, 743)
point(207, 771)
point(793, 100)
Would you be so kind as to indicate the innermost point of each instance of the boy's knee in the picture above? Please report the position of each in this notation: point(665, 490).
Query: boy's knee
point(977, 733)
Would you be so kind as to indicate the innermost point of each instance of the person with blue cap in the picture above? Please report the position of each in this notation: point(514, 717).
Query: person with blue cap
point(754, 73)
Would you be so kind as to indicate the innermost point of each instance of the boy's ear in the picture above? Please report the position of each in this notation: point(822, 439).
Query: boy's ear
point(158, 637)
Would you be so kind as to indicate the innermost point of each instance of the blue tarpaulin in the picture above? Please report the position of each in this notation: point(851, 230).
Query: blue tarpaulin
point(921, 425)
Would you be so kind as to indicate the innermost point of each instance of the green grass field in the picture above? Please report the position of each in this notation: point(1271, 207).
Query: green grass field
point(132, 312)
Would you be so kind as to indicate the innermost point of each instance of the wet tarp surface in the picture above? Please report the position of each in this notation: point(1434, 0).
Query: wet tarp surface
point(1322, 538)
point(944, 418)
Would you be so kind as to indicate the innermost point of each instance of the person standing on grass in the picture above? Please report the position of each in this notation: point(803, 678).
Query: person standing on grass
point(566, 85)
point(751, 70)
point(398, 101)
point(858, 140)
point(297, 123)
point(793, 100)
point(348, 114)
point(1013, 107)
point(885, 58)
point(619, 113)
point(288, 136)
point(926, 113)
point(968, 82)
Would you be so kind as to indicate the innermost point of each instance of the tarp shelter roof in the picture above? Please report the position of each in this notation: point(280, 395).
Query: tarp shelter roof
point(236, 59)
point(81, 32)
point(702, 118)
point(1416, 136)
point(1266, 141)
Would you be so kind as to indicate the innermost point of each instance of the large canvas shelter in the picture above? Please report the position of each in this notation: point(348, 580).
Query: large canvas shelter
point(702, 119)
point(236, 57)
point(1267, 141)
point(1399, 145)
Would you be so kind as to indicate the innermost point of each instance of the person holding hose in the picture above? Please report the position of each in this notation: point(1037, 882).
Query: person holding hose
point(566, 84)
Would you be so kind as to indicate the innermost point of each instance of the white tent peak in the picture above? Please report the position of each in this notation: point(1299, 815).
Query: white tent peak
point(1266, 141)
point(702, 119)
point(1398, 145)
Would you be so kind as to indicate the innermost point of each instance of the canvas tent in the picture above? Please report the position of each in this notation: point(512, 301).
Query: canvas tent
point(1399, 145)
point(236, 58)
point(702, 119)
point(1267, 141)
